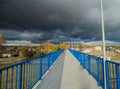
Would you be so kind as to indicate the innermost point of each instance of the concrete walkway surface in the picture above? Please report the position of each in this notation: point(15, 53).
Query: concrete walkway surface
point(67, 73)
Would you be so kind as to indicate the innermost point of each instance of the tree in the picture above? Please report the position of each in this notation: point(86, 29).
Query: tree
point(2, 40)
point(26, 52)
point(54, 48)
point(47, 47)
point(38, 52)
point(63, 45)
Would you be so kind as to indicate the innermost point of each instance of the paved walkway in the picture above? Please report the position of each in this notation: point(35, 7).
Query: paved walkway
point(67, 73)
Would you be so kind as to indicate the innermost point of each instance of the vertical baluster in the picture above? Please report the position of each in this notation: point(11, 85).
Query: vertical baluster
point(16, 83)
point(28, 80)
point(89, 64)
point(31, 72)
point(48, 61)
point(20, 77)
point(40, 68)
point(98, 71)
point(107, 74)
point(102, 69)
point(11, 80)
point(0, 79)
point(27, 75)
point(24, 76)
point(117, 76)
point(84, 60)
point(6, 84)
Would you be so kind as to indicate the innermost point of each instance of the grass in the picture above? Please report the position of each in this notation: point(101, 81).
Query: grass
point(11, 58)
point(115, 58)
point(8, 61)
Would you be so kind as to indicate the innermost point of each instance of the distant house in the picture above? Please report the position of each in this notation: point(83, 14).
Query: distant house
point(87, 50)
point(98, 48)
point(117, 51)
point(7, 53)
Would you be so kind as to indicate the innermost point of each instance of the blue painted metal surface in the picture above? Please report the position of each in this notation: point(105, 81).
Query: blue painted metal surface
point(94, 65)
point(113, 75)
point(25, 74)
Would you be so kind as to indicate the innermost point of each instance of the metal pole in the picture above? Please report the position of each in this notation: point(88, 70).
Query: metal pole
point(103, 43)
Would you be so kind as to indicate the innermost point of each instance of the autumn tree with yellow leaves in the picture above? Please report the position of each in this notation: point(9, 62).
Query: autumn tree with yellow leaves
point(2, 40)
point(63, 45)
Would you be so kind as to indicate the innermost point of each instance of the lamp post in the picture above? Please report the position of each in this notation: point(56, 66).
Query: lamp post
point(103, 42)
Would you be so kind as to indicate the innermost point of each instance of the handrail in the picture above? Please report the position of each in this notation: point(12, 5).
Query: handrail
point(114, 62)
point(94, 66)
point(24, 75)
point(112, 75)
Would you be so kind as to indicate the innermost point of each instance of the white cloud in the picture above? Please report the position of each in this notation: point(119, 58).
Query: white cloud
point(31, 35)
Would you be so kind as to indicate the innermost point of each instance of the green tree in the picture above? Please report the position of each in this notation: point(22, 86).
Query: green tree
point(38, 52)
point(54, 48)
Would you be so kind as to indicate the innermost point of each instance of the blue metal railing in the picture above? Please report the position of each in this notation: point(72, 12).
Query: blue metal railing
point(113, 75)
point(93, 64)
point(25, 74)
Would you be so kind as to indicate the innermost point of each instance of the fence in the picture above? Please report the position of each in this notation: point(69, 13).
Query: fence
point(25, 74)
point(93, 64)
point(113, 75)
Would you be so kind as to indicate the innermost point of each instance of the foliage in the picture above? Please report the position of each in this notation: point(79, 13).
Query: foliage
point(38, 52)
point(117, 58)
point(2, 40)
point(62, 45)
point(46, 47)
point(54, 48)
point(1, 49)
point(26, 51)
point(116, 47)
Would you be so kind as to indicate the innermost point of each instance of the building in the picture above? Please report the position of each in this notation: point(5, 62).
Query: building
point(7, 53)
point(98, 48)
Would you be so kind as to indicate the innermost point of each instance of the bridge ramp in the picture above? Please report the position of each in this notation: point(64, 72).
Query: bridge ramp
point(67, 73)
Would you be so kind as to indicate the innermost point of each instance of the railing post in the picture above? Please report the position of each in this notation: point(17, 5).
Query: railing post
point(118, 76)
point(20, 77)
point(84, 56)
point(98, 71)
point(0, 79)
point(48, 62)
point(6, 84)
point(82, 59)
point(40, 69)
point(89, 64)
point(79, 57)
point(107, 75)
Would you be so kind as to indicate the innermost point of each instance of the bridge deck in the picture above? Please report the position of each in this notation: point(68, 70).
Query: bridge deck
point(67, 73)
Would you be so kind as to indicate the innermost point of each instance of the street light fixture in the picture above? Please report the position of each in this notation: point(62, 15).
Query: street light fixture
point(103, 42)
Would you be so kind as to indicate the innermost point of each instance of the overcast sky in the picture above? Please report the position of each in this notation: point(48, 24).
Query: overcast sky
point(58, 20)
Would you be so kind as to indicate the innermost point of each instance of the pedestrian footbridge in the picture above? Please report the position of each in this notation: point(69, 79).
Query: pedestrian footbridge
point(64, 69)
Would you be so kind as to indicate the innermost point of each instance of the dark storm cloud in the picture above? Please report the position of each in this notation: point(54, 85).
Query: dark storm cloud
point(58, 20)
